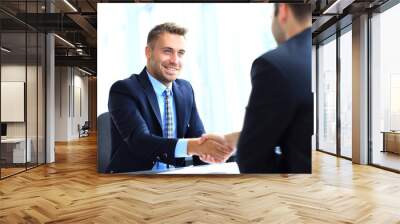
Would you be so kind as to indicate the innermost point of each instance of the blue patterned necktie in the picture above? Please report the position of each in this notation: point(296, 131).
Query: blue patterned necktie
point(168, 125)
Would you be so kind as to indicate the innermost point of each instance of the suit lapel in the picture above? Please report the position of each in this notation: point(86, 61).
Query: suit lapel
point(151, 95)
point(180, 108)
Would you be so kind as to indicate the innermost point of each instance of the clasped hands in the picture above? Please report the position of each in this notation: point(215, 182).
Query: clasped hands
point(212, 148)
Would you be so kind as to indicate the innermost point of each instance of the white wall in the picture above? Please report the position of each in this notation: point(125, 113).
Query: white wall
point(13, 73)
point(33, 126)
point(71, 94)
point(61, 98)
point(79, 117)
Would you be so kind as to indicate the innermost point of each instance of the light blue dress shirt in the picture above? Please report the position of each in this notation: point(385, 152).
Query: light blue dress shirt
point(181, 146)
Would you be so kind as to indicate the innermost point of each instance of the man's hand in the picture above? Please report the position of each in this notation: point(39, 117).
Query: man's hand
point(216, 137)
point(210, 150)
point(229, 140)
point(210, 159)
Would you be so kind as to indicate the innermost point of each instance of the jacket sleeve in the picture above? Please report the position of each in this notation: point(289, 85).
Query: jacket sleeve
point(195, 126)
point(268, 113)
point(132, 127)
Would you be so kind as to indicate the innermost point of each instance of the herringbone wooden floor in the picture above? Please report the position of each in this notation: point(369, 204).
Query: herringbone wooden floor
point(70, 191)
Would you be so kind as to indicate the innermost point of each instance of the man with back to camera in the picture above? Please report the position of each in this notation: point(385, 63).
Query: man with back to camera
point(278, 124)
point(155, 123)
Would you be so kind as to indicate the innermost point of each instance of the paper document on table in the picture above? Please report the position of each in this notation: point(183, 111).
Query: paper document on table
point(220, 168)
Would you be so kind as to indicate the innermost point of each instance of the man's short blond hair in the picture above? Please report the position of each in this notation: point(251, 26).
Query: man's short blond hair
point(172, 28)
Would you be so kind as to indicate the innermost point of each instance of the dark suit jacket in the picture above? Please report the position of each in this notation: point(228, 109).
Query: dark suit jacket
point(137, 141)
point(280, 111)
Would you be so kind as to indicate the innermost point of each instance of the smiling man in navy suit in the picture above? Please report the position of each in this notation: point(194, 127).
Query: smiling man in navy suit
point(155, 123)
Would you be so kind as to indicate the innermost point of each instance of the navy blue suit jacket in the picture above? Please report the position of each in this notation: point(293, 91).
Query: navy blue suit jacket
point(137, 141)
point(280, 111)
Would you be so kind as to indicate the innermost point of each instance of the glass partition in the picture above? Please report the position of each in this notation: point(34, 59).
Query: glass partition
point(41, 91)
point(22, 77)
point(13, 95)
point(32, 95)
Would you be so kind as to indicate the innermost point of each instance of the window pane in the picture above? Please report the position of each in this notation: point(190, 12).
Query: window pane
point(346, 94)
point(314, 80)
point(385, 89)
point(327, 97)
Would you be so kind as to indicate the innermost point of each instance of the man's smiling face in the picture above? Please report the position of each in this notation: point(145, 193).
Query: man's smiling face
point(165, 57)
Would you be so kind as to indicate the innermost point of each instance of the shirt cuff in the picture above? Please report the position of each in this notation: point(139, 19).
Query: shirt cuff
point(181, 148)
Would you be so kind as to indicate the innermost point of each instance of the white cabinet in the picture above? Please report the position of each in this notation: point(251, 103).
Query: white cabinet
point(16, 149)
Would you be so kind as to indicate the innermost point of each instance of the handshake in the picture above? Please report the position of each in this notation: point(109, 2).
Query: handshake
point(213, 148)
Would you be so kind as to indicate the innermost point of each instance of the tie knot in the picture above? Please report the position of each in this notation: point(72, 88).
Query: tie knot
point(167, 92)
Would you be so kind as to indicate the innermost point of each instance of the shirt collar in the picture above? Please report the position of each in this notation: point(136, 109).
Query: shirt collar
point(158, 86)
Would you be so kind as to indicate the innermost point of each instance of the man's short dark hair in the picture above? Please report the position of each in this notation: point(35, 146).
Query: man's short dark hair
point(164, 28)
point(300, 11)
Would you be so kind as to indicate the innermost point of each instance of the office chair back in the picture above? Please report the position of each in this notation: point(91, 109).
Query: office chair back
point(103, 142)
point(86, 126)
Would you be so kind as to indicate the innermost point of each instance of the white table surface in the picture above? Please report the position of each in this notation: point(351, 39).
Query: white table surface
point(218, 168)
